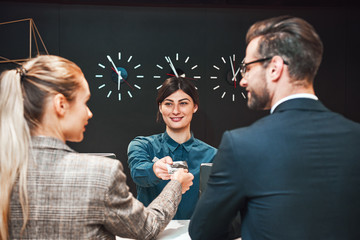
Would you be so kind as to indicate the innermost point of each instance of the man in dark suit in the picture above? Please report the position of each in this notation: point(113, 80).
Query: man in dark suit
point(294, 174)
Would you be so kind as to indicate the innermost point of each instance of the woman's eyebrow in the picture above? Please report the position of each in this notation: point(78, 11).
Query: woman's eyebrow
point(183, 99)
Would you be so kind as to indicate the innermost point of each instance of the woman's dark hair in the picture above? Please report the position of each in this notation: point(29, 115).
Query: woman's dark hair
point(172, 85)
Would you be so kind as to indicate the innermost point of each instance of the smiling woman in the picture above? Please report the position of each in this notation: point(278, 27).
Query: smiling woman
point(149, 157)
point(177, 111)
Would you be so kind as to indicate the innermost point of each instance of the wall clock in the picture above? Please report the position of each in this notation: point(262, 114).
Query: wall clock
point(118, 76)
point(225, 77)
point(176, 65)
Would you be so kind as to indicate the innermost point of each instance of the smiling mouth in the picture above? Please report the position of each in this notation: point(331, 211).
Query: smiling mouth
point(176, 119)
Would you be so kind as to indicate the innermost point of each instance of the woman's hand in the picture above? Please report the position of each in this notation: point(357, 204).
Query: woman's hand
point(184, 177)
point(160, 168)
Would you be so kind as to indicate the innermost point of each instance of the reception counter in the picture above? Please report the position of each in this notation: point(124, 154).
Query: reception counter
point(175, 230)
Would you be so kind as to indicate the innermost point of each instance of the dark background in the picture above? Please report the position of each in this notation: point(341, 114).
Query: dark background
point(86, 31)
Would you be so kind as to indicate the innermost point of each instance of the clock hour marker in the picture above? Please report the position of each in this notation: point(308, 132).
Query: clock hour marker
point(159, 87)
point(119, 96)
point(119, 55)
point(100, 65)
point(140, 76)
point(234, 57)
point(216, 67)
point(137, 86)
point(177, 57)
point(156, 77)
point(194, 67)
point(196, 88)
point(99, 76)
point(197, 77)
point(137, 66)
point(130, 94)
point(216, 87)
point(129, 59)
point(159, 66)
point(243, 95)
point(213, 77)
point(109, 94)
point(101, 86)
point(233, 97)
point(187, 59)
point(223, 59)
point(223, 95)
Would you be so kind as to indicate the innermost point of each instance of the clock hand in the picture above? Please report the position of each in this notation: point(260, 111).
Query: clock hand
point(111, 61)
point(233, 72)
point(234, 79)
point(121, 78)
point(172, 66)
point(116, 70)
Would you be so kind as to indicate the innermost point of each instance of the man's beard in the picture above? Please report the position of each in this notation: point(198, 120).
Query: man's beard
point(259, 100)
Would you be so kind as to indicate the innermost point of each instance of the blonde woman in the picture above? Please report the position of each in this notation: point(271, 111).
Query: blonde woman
point(47, 189)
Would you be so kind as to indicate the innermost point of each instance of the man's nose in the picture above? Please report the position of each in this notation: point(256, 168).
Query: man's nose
point(243, 82)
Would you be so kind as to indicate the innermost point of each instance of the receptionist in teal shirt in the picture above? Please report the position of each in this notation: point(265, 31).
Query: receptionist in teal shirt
point(178, 100)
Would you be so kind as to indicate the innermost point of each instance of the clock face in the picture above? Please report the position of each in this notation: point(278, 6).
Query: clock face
point(119, 76)
point(225, 77)
point(176, 65)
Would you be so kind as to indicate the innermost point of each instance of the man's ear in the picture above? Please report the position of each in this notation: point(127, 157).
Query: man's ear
point(60, 104)
point(276, 68)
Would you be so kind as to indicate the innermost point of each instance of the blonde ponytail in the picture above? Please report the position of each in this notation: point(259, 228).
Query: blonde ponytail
point(14, 153)
point(23, 94)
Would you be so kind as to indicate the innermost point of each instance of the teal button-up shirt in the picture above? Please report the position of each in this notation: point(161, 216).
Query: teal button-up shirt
point(143, 150)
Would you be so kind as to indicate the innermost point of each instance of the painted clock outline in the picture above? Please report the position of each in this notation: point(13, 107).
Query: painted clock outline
point(118, 75)
point(176, 65)
point(225, 77)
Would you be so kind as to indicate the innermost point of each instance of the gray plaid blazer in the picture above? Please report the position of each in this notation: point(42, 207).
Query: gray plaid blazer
point(80, 196)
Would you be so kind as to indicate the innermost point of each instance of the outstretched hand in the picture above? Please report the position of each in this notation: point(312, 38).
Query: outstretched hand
point(160, 168)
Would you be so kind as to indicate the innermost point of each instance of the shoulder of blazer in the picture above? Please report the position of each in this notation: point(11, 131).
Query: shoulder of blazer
point(305, 104)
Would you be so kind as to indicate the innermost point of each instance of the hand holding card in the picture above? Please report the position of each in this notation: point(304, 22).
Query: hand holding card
point(160, 167)
point(176, 165)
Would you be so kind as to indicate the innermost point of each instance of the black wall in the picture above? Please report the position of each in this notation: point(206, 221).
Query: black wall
point(88, 31)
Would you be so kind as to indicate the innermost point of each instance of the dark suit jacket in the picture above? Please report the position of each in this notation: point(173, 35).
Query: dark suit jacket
point(294, 174)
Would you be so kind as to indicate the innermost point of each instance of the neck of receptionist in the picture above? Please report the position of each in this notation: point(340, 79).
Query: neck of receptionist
point(179, 135)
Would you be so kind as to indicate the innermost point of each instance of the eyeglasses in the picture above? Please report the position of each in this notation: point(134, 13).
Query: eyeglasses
point(244, 65)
